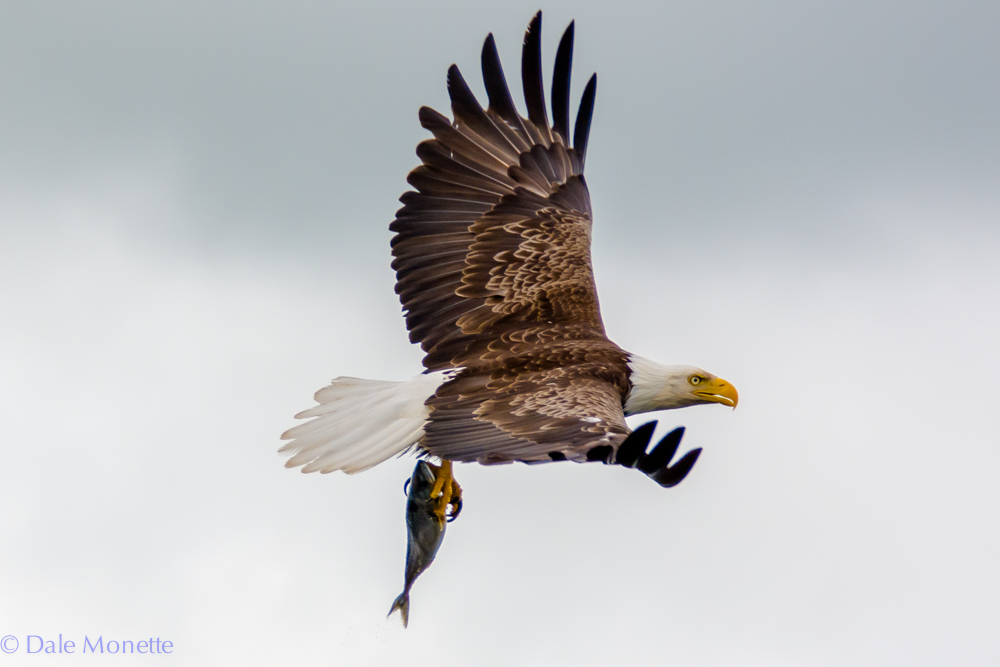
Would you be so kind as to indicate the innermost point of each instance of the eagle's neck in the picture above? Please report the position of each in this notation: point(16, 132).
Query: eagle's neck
point(656, 387)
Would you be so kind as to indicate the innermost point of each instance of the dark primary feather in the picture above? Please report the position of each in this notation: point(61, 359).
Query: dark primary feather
point(496, 84)
point(675, 474)
point(583, 117)
point(468, 114)
point(531, 74)
point(634, 447)
point(560, 85)
point(492, 260)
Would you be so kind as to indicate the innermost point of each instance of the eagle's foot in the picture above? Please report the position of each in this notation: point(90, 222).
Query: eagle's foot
point(656, 464)
point(446, 492)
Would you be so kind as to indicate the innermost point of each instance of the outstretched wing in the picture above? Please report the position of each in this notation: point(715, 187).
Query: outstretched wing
point(496, 237)
point(492, 259)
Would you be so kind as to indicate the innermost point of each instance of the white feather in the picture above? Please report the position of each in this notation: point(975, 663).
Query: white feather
point(351, 444)
point(659, 387)
point(360, 423)
point(372, 450)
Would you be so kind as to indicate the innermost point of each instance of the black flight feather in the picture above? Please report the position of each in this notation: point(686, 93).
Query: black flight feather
point(635, 445)
point(531, 73)
point(466, 108)
point(560, 84)
point(583, 118)
point(662, 453)
point(496, 83)
point(675, 474)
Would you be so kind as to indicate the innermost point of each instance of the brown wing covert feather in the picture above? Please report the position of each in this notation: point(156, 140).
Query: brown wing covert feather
point(554, 414)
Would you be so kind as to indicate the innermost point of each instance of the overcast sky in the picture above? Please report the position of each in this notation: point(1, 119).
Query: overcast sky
point(799, 197)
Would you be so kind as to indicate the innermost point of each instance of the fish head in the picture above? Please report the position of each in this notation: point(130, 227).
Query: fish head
point(421, 482)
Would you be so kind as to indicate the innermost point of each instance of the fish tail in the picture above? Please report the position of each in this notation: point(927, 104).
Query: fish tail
point(402, 603)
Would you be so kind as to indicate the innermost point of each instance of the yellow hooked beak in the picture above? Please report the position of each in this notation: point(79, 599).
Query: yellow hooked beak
point(718, 391)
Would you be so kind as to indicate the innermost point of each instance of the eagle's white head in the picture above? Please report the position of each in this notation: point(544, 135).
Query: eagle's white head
point(659, 387)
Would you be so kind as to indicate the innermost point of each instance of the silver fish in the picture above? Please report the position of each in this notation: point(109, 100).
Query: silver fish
point(425, 525)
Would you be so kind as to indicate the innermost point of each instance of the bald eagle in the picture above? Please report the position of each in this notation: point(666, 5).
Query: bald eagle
point(493, 269)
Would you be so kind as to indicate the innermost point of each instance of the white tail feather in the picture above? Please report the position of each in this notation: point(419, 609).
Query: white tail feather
point(360, 423)
point(369, 450)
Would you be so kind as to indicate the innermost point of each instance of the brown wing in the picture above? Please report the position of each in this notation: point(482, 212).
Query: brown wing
point(555, 414)
point(492, 259)
point(496, 237)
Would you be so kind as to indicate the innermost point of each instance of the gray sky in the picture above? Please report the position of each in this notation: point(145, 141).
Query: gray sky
point(799, 197)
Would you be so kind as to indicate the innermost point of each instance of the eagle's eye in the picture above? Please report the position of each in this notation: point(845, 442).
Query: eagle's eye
point(695, 379)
